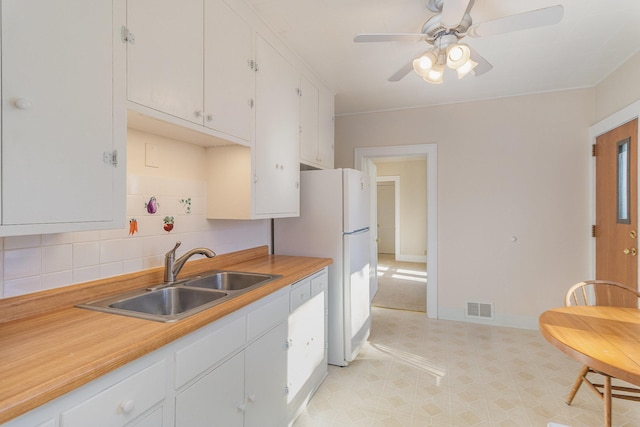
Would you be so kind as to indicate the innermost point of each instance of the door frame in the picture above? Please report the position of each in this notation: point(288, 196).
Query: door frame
point(396, 207)
point(615, 120)
point(362, 155)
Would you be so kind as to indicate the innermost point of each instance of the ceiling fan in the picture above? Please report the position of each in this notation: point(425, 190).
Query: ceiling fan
point(447, 28)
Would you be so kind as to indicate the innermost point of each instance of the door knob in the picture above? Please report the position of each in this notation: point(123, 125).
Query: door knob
point(633, 234)
point(632, 251)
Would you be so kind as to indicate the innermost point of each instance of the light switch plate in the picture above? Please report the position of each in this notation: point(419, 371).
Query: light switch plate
point(152, 156)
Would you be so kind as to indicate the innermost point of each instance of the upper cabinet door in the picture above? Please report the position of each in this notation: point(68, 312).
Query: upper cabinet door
point(165, 56)
point(277, 147)
point(228, 67)
point(59, 117)
point(308, 121)
point(326, 128)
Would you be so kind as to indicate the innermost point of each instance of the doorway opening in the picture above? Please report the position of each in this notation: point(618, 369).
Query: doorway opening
point(425, 234)
point(401, 227)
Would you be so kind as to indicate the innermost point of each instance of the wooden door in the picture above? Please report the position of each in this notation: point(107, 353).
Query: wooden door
point(386, 217)
point(616, 205)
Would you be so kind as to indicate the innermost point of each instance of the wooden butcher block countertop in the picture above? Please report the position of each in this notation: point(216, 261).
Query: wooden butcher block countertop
point(48, 347)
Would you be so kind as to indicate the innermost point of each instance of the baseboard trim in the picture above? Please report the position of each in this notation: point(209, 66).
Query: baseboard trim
point(411, 258)
point(499, 319)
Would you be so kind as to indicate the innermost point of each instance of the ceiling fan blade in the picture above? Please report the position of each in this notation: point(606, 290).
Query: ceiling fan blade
point(452, 12)
point(522, 21)
point(483, 65)
point(402, 72)
point(389, 37)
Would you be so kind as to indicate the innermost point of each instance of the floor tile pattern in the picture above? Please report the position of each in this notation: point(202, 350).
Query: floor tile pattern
point(416, 371)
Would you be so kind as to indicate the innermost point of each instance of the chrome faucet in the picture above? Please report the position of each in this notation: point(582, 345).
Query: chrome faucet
point(172, 266)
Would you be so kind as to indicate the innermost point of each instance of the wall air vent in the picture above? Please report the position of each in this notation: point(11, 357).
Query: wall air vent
point(479, 310)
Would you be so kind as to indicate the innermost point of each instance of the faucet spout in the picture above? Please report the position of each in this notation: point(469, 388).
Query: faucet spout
point(172, 266)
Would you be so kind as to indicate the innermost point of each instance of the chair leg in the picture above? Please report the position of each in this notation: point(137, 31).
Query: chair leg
point(577, 384)
point(607, 401)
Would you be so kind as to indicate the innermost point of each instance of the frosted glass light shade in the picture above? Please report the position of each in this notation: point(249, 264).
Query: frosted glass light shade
point(457, 55)
point(434, 76)
point(466, 68)
point(423, 64)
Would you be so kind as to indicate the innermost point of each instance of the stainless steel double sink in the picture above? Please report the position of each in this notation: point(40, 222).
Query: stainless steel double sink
point(183, 298)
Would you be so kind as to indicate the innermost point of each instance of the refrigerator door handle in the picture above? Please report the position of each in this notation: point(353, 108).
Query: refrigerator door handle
point(356, 232)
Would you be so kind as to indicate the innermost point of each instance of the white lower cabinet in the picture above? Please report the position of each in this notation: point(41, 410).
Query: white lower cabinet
point(256, 367)
point(307, 338)
point(247, 389)
point(122, 402)
point(154, 419)
point(216, 399)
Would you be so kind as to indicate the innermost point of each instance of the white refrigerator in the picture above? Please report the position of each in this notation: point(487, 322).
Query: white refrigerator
point(334, 223)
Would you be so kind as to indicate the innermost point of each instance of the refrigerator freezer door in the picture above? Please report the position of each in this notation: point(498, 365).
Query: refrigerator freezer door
point(356, 200)
point(357, 306)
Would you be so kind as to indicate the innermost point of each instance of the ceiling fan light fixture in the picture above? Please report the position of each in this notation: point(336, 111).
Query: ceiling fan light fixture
point(466, 68)
point(424, 63)
point(434, 76)
point(457, 55)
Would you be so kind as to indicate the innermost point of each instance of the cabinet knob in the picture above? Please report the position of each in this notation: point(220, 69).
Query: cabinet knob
point(198, 113)
point(242, 407)
point(22, 103)
point(251, 398)
point(209, 117)
point(127, 406)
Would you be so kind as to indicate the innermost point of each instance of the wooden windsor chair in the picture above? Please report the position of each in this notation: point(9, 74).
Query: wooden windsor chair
point(602, 293)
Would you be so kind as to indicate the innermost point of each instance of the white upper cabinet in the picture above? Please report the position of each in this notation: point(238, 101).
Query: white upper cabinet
point(228, 67)
point(63, 116)
point(317, 129)
point(165, 56)
point(308, 121)
point(326, 131)
point(277, 149)
point(189, 62)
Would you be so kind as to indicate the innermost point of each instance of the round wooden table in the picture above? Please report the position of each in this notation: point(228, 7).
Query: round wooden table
point(607, 339)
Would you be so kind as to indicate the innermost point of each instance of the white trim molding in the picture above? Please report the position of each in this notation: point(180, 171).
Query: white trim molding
point(431, 152)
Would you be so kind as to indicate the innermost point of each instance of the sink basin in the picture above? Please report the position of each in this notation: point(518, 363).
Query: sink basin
point(164, 304)
point(230, 280)
point(168, 303)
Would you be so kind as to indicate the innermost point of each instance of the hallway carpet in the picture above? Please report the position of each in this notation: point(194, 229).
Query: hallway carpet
point(401, 285)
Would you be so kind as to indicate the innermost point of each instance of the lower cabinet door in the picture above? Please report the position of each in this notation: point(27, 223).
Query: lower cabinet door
point(217, 399)
point(266, 373)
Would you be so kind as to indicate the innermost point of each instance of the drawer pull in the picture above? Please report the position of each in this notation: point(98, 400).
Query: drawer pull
point(127, 406)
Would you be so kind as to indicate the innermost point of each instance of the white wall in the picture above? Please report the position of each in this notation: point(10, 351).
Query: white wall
point(619, 89)
point(413, 206)
point(514, 167)
point(33, 263)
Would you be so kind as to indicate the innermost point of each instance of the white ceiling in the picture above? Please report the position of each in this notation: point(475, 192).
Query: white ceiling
point(593, 38)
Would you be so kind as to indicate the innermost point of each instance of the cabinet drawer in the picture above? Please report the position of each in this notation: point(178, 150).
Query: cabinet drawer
point(318, 284)
point(121, 402)
point(207, 351)
point(269, 315)
point(300, 293)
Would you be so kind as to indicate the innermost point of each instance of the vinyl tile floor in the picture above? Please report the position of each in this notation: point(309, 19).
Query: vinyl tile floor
point(416, 371)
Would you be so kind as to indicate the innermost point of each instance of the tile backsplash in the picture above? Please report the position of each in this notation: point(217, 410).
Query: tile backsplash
point(39, 262)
